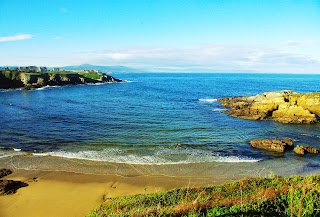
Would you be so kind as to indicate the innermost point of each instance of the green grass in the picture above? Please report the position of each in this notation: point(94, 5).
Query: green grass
point(91, 75)
point(277, 196)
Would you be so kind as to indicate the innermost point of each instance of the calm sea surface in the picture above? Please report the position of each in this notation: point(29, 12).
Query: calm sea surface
point(160, 123)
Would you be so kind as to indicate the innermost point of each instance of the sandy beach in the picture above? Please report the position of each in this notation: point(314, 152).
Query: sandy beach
point(53, 193)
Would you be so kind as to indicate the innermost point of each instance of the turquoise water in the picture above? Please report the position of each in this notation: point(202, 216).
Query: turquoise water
point(155, 119)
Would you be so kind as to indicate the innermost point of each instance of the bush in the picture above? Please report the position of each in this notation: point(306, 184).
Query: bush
point(277, 196)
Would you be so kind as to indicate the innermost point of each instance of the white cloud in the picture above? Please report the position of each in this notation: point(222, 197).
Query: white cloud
point(213, 57)
point(17, 37)
point(57, 37)
point(300, 43)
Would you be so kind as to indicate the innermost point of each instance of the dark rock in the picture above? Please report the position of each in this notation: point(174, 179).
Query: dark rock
point(272, 145)
point(301, 150)
point(4, 172)
point(311, 149)
point(10, 186)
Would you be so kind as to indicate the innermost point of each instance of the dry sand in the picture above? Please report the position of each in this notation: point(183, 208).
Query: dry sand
point(52, 193)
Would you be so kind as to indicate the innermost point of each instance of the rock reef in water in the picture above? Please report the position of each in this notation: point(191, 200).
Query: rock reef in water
point(28, 81)
point(282, 145)
point(284, 106)
point(5, 172)
point(301, 150)
point(272, 145)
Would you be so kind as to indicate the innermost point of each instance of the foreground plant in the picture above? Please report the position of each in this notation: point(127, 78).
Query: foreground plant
point(277, 196)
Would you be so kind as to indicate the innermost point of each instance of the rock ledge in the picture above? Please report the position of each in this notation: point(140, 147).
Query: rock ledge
point(284, 106)
point(272, 145)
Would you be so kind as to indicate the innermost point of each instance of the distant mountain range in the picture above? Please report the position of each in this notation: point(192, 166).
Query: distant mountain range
point(124, 69)
point(113, 69)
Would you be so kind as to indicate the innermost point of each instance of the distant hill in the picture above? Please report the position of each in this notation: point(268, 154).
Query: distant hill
point(113, 69)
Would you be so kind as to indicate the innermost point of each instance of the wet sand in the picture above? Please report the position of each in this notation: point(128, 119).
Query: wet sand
point(55, 193)
point(76, 193)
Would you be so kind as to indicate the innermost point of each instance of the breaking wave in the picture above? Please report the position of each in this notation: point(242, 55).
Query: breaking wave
point(159, 158)
point(208, 100)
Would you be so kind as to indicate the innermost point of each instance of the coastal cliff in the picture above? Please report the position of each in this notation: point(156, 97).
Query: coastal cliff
point(284, 106)
point(28, 81)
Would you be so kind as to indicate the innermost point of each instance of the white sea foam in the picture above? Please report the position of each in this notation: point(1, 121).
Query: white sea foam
point(41, 154)
point(10, 153)
point(97, 83)
point(236, 159)
point(125, 81)
point(49, 87)
point(219, 110)
point(208, 100)
point(17, 149)
point(161, 157)
point(42, 88)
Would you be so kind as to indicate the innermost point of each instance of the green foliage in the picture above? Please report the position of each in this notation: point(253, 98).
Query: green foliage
point(11, 74)
point(277, 196)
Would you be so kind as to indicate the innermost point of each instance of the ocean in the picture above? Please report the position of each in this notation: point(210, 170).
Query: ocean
point(154, 124)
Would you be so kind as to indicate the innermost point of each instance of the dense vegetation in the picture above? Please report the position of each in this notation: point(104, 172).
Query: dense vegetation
point(276, 196)
point(11, 74)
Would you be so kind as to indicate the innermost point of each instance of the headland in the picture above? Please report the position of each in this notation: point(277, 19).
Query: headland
point(28, 80)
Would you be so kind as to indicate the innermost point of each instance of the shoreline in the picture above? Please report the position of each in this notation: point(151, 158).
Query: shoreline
point(57, 193)
point(61, 193)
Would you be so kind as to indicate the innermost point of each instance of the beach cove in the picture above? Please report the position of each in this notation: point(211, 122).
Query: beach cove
point(155, 132)
point(53, 193)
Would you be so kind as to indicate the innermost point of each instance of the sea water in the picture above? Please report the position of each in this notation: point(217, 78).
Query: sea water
point(157, 123)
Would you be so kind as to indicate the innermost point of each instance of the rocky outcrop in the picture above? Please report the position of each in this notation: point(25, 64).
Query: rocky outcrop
point(282, 146)
point(29, 81)
point(284, 106)
point(9, 186)
point(5, 172)
point(301, 150)
point(272, 145)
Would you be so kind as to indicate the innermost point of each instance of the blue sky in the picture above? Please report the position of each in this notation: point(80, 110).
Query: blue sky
point(164, 35)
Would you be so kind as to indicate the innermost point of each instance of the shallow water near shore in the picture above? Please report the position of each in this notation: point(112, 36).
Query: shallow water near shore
point(158, 124)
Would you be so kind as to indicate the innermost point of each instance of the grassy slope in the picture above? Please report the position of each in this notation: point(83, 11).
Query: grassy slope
point(277, 196)
point(95, 76)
